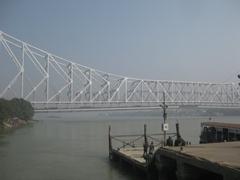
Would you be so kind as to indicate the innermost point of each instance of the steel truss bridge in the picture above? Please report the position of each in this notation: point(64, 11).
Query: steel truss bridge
point(51, 83)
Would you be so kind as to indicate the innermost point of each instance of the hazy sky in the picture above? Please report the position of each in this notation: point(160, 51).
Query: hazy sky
point(174, 40)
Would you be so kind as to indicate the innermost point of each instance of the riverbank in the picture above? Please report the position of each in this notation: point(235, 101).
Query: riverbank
point(15, 113)
point(13, 123)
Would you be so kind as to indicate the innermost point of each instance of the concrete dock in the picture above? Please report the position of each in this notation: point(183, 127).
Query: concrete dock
point(215, 161)
point(224, 154)
point(218, 161)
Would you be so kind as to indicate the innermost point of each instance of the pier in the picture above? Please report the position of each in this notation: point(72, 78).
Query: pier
point(129, 149)
point(217, 161)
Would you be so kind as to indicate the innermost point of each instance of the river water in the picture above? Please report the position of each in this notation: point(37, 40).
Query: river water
point(74, 146)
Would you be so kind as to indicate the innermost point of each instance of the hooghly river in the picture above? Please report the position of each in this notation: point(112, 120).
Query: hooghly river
point(74, 146)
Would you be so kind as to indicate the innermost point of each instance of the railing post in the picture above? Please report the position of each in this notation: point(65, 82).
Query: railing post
point(109, 140)
point(177, 130)
point(164, 107)
point(145, 133)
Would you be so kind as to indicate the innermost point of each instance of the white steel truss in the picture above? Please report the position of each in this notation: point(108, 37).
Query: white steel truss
point(53, 82)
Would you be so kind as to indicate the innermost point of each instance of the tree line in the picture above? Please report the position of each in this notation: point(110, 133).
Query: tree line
point(15, 107)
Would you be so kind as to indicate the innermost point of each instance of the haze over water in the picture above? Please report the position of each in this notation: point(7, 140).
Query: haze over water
point(75, 145)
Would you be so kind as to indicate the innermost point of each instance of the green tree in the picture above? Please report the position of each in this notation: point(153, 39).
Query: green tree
point(4, 110)
point(15, 108)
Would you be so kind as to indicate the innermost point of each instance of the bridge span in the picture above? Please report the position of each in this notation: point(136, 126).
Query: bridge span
point(53, 83)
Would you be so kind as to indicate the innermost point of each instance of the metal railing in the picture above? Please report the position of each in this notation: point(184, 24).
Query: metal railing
point(118, 142)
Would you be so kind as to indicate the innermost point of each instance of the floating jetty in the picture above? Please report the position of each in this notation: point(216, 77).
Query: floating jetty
point(216, 161)
point(129, 149)
point(132, 156)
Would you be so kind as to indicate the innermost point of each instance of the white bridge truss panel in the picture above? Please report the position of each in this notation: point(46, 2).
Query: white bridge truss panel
point(64, 84)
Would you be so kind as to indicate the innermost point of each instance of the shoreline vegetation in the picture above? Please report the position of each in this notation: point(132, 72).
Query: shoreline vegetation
point(15, 113)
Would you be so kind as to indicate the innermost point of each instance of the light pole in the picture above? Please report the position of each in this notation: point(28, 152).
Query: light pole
point(238, 78)
point(165, 126)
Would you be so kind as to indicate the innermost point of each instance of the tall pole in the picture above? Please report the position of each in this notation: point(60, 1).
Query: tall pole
point(22, 72)
point(109, 140)
point(145, 133)
point(164, 107)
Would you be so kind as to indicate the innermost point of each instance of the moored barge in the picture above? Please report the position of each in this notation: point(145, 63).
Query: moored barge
point(213, 132)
